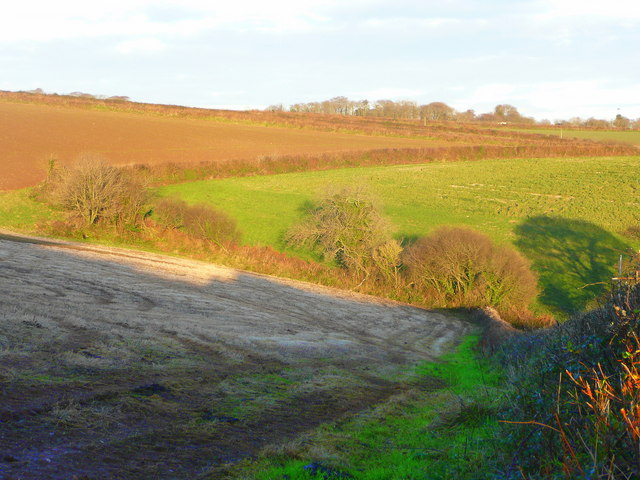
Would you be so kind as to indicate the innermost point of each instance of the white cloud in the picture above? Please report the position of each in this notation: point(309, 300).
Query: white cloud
point(408, 22)
point(586, 98)
point(140, 46)
point(618, 10)
point(217, 94)
point(34, 20)
point(390, 93)
point(566, 21)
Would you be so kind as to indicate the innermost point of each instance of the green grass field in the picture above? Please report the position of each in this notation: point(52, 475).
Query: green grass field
point(632, 137)
point(19, 211)
point(444, 424)
point(566, 215)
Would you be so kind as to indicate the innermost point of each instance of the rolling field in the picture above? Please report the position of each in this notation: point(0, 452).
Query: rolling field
point(37, 128)
point(630, 137)
point(31, 134)
point(117, 363)
point(566, 214)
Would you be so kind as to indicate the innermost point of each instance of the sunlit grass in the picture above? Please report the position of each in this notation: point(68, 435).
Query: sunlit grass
point(566, 215)
point(623, 136)
point(19, 211)
point(491, 195)
point(444, 431)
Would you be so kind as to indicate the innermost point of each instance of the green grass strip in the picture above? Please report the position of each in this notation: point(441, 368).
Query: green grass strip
point(427, 432)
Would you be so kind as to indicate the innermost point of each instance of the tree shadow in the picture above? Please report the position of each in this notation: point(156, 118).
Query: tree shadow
point(307, 207)
point(575, 259)
point(406, 240)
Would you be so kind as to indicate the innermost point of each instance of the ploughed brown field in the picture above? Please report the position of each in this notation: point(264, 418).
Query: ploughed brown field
point(31, 134)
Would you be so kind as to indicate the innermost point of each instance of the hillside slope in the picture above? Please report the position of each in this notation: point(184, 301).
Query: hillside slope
point(115, 363)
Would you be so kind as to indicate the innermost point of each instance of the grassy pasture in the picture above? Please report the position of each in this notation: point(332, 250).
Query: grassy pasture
point(621, 136)
point(565, 214)
point(18, 211)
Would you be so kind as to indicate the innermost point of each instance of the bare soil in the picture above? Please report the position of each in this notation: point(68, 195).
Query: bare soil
point(32, 134)
point(123, 364)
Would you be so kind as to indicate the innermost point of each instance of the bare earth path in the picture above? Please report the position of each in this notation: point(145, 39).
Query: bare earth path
point(123, 364)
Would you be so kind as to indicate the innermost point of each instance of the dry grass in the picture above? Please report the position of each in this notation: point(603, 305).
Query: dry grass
point(200, 221)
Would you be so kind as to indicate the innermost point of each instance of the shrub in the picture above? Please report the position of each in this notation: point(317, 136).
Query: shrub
point(96, 192)
point(200, 221)
point(463, 268)
point(347, 226)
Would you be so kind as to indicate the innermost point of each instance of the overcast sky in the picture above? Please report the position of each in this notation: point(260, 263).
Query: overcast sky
point(552, 59)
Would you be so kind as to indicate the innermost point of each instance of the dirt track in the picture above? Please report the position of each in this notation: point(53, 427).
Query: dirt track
point(31, 134)
point(71, 311)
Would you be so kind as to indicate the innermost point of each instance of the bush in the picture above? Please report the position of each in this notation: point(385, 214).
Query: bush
point(96, 192)
point(463, 268)
point(200, 221)
point(575, 404)
point(347, 226)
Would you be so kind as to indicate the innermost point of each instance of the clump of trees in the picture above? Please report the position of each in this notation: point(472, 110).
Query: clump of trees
point(620, 122)
point(97, 194)
point(404, 109)
point(440, 111)
point(453, 267)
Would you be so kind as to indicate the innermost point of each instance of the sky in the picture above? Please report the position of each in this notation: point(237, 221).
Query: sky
point(552, 59)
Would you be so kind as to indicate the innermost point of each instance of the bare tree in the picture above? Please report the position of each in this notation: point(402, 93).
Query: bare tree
point(465, 268)
point(507, 112)
point(97, 191)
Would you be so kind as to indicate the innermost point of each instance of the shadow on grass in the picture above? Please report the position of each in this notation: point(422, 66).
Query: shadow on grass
point(408, 240)
point(575, 259)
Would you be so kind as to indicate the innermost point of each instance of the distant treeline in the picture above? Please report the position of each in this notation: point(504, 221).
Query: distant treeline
point(405, 109)
point(434, 111)
point(115, 98)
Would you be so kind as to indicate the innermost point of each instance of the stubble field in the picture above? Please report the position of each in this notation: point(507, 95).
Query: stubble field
point(120, 364)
